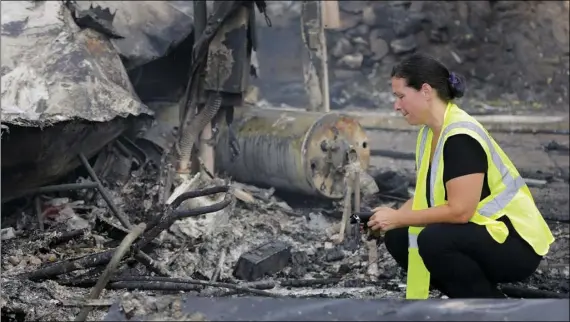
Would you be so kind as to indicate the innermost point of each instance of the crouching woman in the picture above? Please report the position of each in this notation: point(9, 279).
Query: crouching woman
point(472, 222)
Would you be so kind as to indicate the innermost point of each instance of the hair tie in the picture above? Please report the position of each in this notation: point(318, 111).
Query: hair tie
point(453, 79)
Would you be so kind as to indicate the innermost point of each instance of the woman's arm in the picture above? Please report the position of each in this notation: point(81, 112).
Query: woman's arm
point(407, 206)
point(463, 194)
point(465, 165)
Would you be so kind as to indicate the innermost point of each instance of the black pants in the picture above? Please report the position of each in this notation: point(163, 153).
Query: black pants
point(464, 261)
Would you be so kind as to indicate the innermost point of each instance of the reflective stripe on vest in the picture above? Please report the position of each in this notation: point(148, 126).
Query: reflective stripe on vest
point(412, 240)
point(512, 184)
point(422, 148)
point(418, 275)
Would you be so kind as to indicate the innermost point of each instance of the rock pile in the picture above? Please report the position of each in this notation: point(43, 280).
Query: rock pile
point(371, 31)
point(508, 50)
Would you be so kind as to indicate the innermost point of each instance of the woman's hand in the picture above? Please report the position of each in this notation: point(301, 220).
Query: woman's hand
point(384, 219)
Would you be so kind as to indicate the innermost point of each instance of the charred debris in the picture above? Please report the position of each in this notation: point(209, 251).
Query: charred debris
point(105, 203)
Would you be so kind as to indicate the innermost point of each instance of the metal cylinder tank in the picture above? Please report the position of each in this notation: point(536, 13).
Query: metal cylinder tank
point(297, 151)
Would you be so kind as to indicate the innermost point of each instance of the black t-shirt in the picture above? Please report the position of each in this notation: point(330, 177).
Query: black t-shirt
point(462, 155)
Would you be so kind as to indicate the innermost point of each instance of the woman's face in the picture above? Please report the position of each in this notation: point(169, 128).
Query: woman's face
point(413, 104)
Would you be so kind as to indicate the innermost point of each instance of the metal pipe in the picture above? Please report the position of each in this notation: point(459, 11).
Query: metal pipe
point(118, 214)
point(297, 151)
point(154, 229)
point(200, 17)
point(191, 133)
point(199, 123)
point(155, 281)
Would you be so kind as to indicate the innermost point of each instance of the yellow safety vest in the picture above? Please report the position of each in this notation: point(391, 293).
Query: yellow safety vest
point(509, 196)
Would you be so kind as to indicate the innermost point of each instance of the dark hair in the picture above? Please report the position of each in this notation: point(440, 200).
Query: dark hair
point(419, 69)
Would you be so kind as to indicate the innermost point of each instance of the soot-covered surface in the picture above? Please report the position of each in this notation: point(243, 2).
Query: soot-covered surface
point(189, 249)
point(192, 249)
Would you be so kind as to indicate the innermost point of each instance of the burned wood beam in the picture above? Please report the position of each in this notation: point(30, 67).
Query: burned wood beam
point(170, 284)
point(62, 187)
point(68, 266)
point(201, 284)
point(315, 66)
point(131, 149)
point(153, 286)
point(493, 123)
point(151, 264)
point(310, 283)
point(303, 152)
point(52, 188)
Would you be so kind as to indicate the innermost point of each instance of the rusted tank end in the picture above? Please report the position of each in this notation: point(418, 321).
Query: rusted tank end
point(297, 151)
point(325, 152)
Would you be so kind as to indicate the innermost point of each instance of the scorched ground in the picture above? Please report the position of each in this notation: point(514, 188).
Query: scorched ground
point(192, 248)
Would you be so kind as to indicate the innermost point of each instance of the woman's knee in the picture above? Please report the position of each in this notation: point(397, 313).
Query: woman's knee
point(396, 241)
point(435, 240)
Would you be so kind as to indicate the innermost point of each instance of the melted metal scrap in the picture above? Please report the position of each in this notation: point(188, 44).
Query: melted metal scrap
point(96, 18)
point(52, 71)
point(149, 29)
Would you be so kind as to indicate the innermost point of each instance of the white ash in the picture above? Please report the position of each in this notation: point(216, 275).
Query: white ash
point(47, 301)
point(194, 247)
point(165, 308)
point(244, 230)
point(247, 229)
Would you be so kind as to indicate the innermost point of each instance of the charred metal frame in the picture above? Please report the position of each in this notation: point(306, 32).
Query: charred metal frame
point(220, 70)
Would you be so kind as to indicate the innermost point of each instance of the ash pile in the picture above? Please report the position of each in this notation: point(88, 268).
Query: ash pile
point(90, 200)
point(238, 238)
point(287, 250)
point(251, 242)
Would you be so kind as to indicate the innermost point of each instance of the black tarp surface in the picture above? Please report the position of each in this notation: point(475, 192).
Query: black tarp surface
point(319, 309)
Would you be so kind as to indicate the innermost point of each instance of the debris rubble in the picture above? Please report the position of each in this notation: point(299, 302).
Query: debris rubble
point(256, 249)
point(98, 211)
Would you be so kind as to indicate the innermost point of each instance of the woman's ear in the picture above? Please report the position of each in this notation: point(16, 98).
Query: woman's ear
point(426, 90)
